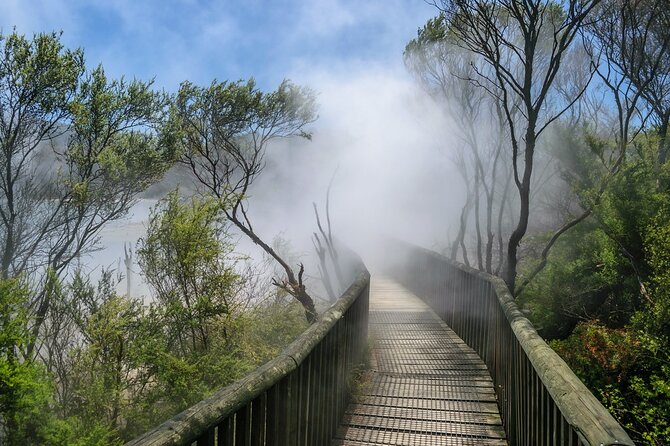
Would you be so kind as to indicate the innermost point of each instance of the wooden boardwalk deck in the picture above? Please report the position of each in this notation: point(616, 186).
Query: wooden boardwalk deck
point(425, 387)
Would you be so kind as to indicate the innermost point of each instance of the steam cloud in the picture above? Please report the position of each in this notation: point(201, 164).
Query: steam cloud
point(389, 146)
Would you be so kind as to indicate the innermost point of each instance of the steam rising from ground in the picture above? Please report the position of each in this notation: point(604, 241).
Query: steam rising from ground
point(387, 145)
point(383, 142)
point(386, 139)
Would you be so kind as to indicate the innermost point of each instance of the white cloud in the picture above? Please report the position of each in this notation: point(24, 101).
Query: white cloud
point(389, 144)
point(31, 16)
point(386, 137)
point(324, 17)
point(200, 40)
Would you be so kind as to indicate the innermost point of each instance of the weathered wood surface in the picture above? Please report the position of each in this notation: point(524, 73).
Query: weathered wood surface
point(425, 386)
point(272, 391)
point(541, 400)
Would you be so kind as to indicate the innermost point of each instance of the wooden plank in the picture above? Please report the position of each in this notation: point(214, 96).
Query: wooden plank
point(448, 441)
point(415, 403)
point(428, 427)
point(456, 382)
point(426, 393)
point(425, 414)
point(444, 363)
point(401, 438)
point(418, 370)
point(426, 386)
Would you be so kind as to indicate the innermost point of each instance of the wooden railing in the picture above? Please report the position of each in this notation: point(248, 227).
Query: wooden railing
point(541, 400)
point(297, 398)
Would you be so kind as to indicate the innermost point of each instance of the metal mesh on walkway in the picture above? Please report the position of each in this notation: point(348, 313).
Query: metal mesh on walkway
point(425, 386)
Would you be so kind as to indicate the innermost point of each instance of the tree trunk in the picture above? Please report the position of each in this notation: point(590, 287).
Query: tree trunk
point(663, 140)
point(501, 214)
point(478, 229)
point(295, 286)
point(460, 238)
point(509, 275)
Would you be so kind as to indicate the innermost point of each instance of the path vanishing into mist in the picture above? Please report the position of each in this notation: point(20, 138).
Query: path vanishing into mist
point(425, 386)
point(451, 360)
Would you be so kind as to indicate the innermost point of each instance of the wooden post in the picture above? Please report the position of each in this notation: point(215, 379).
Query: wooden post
point(273, 404)
point(534, 386)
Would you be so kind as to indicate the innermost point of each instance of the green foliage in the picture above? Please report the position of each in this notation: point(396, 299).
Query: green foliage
point(227, 112)
point(130, 373)
point(187, 261)
point(128, 369)
point(612, 273)
point(434, 32)
point(72, 431)
point(629, 370)
point(105, 361)
point(264, 331)
point(651, 413)
point(40, 71)
point(656, 318)
point(586, 277)
point(602, 355)
point(24, 388)
point(26, 391)
point(239, 343)
point(119, 144)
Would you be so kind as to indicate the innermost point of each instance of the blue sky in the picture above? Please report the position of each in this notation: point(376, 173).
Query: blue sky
point(199, 40)
point(375, 127)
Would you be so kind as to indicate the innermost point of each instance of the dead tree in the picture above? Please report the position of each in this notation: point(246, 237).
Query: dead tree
point(524, 44)
point(446, 72)
point(225, 131)
point(128, 262)
point(325, 247)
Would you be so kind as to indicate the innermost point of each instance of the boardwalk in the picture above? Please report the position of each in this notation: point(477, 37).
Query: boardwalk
point(426, 387)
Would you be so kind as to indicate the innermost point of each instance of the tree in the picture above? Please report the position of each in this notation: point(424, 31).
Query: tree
point(76, 149)
point(103, 374)
point(38, 82)
point(326, 248)
point(225, 131)
point(634, 37)
point(635, 63)
point(446, 72)
point(524, 45)
point(24, 389)
point(187, 261)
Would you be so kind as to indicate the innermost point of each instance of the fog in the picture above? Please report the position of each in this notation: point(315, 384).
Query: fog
point(385, 145)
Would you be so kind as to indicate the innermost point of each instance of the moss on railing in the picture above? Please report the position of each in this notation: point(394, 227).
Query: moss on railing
point(542, 401)
point(251, 407)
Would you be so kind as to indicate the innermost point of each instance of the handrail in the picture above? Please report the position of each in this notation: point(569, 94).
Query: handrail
point(296, 398)
point(541, 400)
